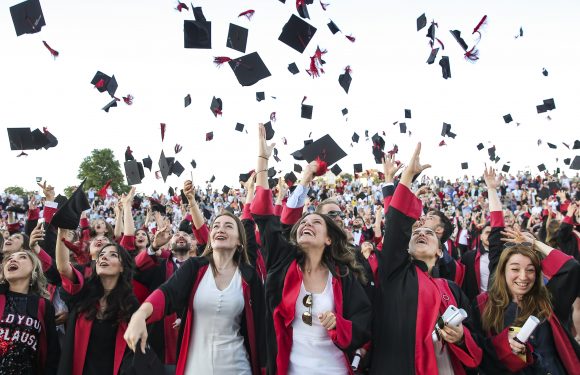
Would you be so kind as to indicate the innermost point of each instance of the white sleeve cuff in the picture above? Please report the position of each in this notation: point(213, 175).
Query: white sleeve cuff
point(298, 197)
point(51, 204)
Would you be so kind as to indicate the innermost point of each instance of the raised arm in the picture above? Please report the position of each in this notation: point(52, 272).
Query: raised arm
point(62, 256)
point(119, 217)
point(295, 204)
point(128, 221)
point(493, 182)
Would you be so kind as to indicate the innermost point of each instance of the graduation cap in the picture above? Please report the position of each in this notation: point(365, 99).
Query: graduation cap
point(148, 163)
point(361, 195)
point(134, 172)
point(505, 168)
point(156, 206)
point(432, 56)
point(421, 22)
point(480, 146)
point(209, 136)
point(550, 104)
point(297, 33)
point(357, 168)
point(445, 129)
point(193, 164)
point(187, 100)
point(272, 182)
point(109, 105)
point(464, 166)
point(445, 68)
point(457, 35)
point(177, 169)
point(407, 113)
point(27, 17)
point(336, 170)
point(239, 127)
point(260, 96)
point(249, 69)
point(575, 163)
point(271, 172)
point(402, 127)
point(105, 83)
point(378, 147)
point(164, 166)
point(293, 68)
point(551, 145)
point(333, 28)
point(244, 177)
point(544, 72)
point(69, 213)
point(237, 38)
point(212, 179)
point(344, 111)
point(20, 139)
point(216, 106)
point(541, 167)
point(576, 145)
point(225, 189)
point(508, 118)
point(297, 168)
point(306, 111)
point(324, 148)
point(39, 139)
point(345, 79)
point(567, 161)
point(52, 141)
point(269, 131)
point(197, 34)
point(355, 137)
point(290, 179)
point(198, 13)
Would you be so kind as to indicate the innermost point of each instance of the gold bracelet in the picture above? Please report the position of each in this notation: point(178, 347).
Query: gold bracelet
point(263, 170)
point(263, 157)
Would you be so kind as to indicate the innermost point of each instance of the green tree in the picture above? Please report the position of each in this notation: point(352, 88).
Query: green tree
point(100, 167)
point(15, 190)
point(69, 190)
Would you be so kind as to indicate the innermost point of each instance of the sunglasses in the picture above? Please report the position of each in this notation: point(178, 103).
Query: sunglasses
point(524, 244)
point(307, 315)
point(334, 214)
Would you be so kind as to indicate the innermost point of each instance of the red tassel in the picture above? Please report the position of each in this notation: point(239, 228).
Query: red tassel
point(442, 143)
point(217, 111)
point(322, 167)
point(219, 60)
point(313, 71)
point(128, 99)
point(103, 191)
point(350, 37)
point(481, 23)
point(303, 100)
point(100, 84)
point(324, 5)
point(472, 54)
point(181, 6)
point(318, 53)
point(248, 13)
point(53, 52)
point(348, 69)
point(273, 116)
point(394, 150)
point(162, 132)
point(177, 148)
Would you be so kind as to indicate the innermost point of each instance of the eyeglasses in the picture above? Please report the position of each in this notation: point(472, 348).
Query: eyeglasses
point(334, 214)
point(307, 315)
point(524, 244)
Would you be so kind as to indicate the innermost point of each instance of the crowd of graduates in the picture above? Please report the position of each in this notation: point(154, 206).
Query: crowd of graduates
point(310, 276)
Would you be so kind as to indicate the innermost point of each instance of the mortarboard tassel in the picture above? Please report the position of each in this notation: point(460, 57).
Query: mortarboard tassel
point(472, 55)
point(248, 14)
point(219, 60)
point(22, 154)
point(324, 5)
point(394, 150)
point(181, 6)
point(322, 167)
point(53, 52)
point(217, 112)
point(442, 143)
point(162, 132)
point(313, 70)
point(128, 99)
point(285, 141)
point(350, 37)
point(480, 25)
point(177, 148)
point(100, 84)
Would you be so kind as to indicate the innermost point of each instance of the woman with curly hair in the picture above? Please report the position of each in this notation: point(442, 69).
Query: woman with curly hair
point(28, 339)
point(100, 307)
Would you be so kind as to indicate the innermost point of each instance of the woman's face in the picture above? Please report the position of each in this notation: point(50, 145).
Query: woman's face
point(424, 244)
point(520, 275)
point(97, 244)
point(17, 266)
point(140, 239)
point(99, 226)
point(13, 243)
point(109, 262)
point(224, 233)
point(312, 232)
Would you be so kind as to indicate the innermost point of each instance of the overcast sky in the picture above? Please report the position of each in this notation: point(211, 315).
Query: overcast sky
point(141, 43)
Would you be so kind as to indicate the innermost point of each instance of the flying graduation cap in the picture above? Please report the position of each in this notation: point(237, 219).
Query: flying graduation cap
point(197, 33)
point(103, 82)
point(249, 69)
point(297, 33)
point(69, 213)
point(27, 17)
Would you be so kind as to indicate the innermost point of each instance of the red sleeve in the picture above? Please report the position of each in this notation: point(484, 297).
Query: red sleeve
point(45, 260)
point(568, 220)
point(278, 210)
point(262, 203)
point(341, 335)
point(144, 261)
point(13, 228)
point(48, 213)
point(553, 262)
point(290, 216)
point(507, 357)
point(201, 234)
point(406, 202)
point(387, 202)
point(72, 287)
point(128, 242)
point(84, 223)
point(157, 300)
point(470, 357)
point(497, 219)
point(34, 214)
point(246, 214)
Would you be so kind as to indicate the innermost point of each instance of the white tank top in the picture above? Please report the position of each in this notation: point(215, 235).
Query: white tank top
point(313, 352)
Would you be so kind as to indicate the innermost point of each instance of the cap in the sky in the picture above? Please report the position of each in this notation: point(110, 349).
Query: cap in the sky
point(344, 111)
point(269, 131)
point(355, 137)
point(345, 79)
point(212, 179)
point(306, 111)
point(445, 129)
point(480, 146)
point(297, 168)
point(378, 148)
point(432, 56)
point(39, 139)
point(27, 17)
point(237, 38)
point(445, 68)
point(505, 168)
point(249, 69)
point(551, 145)
point(297, 33)
point(402, 127)
point(187, 100)
point(177, 169)
point(260, 95)
point(109, 105)
point(544, 72)
point(226, 189)
point(407, 113)
point(333, 28)
point(576, 145)
point(216, 106)
point(197, 34)
point(148, 163)
point(541, 167)
point(357, 168)
point(464, 165)
point(164, 166)
point(239, 127)
point(293, 68)
point(134, 172)
point(69, 213)
point(575, 163)
point(508, 118)
point(193, 164)
point(290, 179)
point(324, 148)
point(336, 169)
point(208, 136)
point(105, 83)
point(20, 139)
point(421, 21)
point(457, 35)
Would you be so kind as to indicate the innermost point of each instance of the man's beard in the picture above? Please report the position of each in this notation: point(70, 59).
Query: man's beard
point(181, 250)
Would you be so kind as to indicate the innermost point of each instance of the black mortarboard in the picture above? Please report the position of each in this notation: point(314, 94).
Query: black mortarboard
point(344, 80)
point(297, 168)
point(164, 166)
point(541, 167)
point(109, 105)
point(197, 34)
point(27, 17)
point(505, 168)
point(290, 178)
point(260, 96)
point(156, 206)
point(52, 141)
point(464, 166)
point(148, 163)
point(171, 191)
point(239, 127)
point(457, 35)
point(198, 13)
point(237, 38)
point(355, 137)
point(216, 106)
point(378, 147)
point(336, 169)
point(508, 118)
point(480, 146)
point(269, 131)
point(431, 31)
point(272, 182)
point(271, 172)
point(293, 68)
point(544, 72)
point(187, 100)
point(226, 189)
point(576, 145)
point(134, 172)
point(421, 21)
point(541, 108)
point(249, 69)
point(244, 177)
point(451, 135)
point(20, 139)
point(209, 136)
point(575, 163)
point(324, 148)
point(193, 164)
point(177, 169)
point(551, 145)
point(361, 195)
point(306, 111)
point(550, 104)
point(407, 113)
point(212, 179)
point(445, 68)
point(39, 139)
point(344, 111)
point(567, 161)
point(402, 127)
point(432, 56)
point(105, 83)
point(357, 168)
point(333, 28)
point(297, 33)
point(69, 214)
point(445, 129)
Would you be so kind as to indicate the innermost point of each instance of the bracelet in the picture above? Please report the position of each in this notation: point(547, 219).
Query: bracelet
point(263, 170)
point(263, 157)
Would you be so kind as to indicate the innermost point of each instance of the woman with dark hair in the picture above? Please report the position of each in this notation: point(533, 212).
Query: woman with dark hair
point(516, 292)
point(28, 339)
point(317, 310)
point(100, 307)
point(221, 301)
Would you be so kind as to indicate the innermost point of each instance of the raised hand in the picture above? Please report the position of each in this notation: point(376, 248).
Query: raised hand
point(492, 180)
point(390, 167)
point(36, 235)
point(189, 191)
point(127, 199)
point(47, 190)
point(162, 237)
point(414, 168)
point(264, 150)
